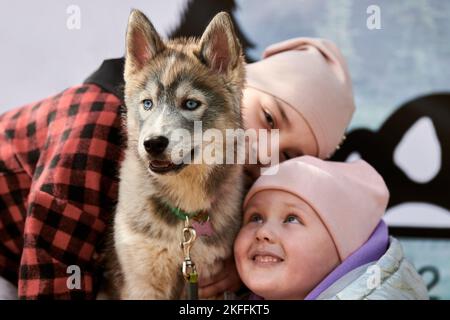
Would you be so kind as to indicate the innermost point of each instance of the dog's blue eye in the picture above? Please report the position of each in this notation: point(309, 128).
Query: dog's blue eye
point(191, 104)
point(148, 104)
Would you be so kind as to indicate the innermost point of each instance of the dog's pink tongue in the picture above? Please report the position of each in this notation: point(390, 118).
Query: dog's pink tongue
point(161, 163)
point(203, 228)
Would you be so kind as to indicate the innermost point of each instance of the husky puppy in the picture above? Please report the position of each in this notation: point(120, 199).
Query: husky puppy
point(171, 85)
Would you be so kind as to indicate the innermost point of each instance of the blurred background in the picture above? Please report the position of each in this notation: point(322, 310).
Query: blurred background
point(398, 53)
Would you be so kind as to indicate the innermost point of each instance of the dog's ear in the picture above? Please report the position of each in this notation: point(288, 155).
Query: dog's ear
point(142, 42)
point(219, 47)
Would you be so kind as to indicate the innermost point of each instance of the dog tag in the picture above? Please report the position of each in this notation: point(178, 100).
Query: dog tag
point(203, 228)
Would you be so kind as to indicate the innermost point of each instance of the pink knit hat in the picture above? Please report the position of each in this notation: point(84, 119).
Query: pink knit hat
point(350, 198)
point(312, 77)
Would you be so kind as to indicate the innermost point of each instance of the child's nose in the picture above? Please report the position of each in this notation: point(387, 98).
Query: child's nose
point(265, 233)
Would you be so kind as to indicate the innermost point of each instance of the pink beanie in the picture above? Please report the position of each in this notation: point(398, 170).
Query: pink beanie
point(350, 198)
point(312, 77)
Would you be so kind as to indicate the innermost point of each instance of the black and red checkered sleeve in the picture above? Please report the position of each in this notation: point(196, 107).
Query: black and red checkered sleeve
point(60, 158)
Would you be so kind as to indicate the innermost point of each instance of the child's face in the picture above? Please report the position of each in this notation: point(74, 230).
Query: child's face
point(263, 111)
point(283, 250)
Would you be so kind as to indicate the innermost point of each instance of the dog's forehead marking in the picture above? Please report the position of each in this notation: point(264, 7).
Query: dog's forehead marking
point(174, 72)
point(169, 65)
point(175, 75)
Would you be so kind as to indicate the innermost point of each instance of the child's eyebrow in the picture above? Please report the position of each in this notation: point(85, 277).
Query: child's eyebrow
point(292, 206)
point(249, 209)
point(298, 209)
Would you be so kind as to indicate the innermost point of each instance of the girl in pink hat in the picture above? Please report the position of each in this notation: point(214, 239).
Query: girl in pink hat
point(301, 87)
point(313, 230)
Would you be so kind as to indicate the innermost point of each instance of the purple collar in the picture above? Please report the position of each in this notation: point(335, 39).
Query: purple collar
point(372, 250)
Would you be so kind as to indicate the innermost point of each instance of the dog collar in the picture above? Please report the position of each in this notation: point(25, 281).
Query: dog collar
point(200, 218)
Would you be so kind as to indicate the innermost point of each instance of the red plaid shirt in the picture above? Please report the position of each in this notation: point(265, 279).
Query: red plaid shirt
point(58, 187)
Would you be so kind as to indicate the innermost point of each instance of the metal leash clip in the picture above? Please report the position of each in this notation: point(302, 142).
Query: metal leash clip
point(188, 268)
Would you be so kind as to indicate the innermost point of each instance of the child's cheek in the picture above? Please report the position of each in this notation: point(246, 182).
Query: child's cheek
point(241, 242)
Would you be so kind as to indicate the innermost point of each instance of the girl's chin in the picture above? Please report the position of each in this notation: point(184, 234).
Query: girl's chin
point(261, 281)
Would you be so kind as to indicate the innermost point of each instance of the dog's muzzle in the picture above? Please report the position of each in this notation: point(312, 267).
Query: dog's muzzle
point(156, 147)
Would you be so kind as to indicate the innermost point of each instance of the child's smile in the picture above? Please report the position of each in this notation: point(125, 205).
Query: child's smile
point(265, 257)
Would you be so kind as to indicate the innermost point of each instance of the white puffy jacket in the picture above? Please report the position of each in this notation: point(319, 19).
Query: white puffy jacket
point(392, 277)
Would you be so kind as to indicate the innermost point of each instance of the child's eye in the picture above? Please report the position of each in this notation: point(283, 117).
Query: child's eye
point(256, 217)
point(269, 119)
point(292, 219)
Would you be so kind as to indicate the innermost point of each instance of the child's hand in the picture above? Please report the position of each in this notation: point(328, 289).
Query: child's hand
point(227, 279)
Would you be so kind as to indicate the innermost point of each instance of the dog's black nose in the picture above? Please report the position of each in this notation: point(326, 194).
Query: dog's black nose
point(155, 146)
